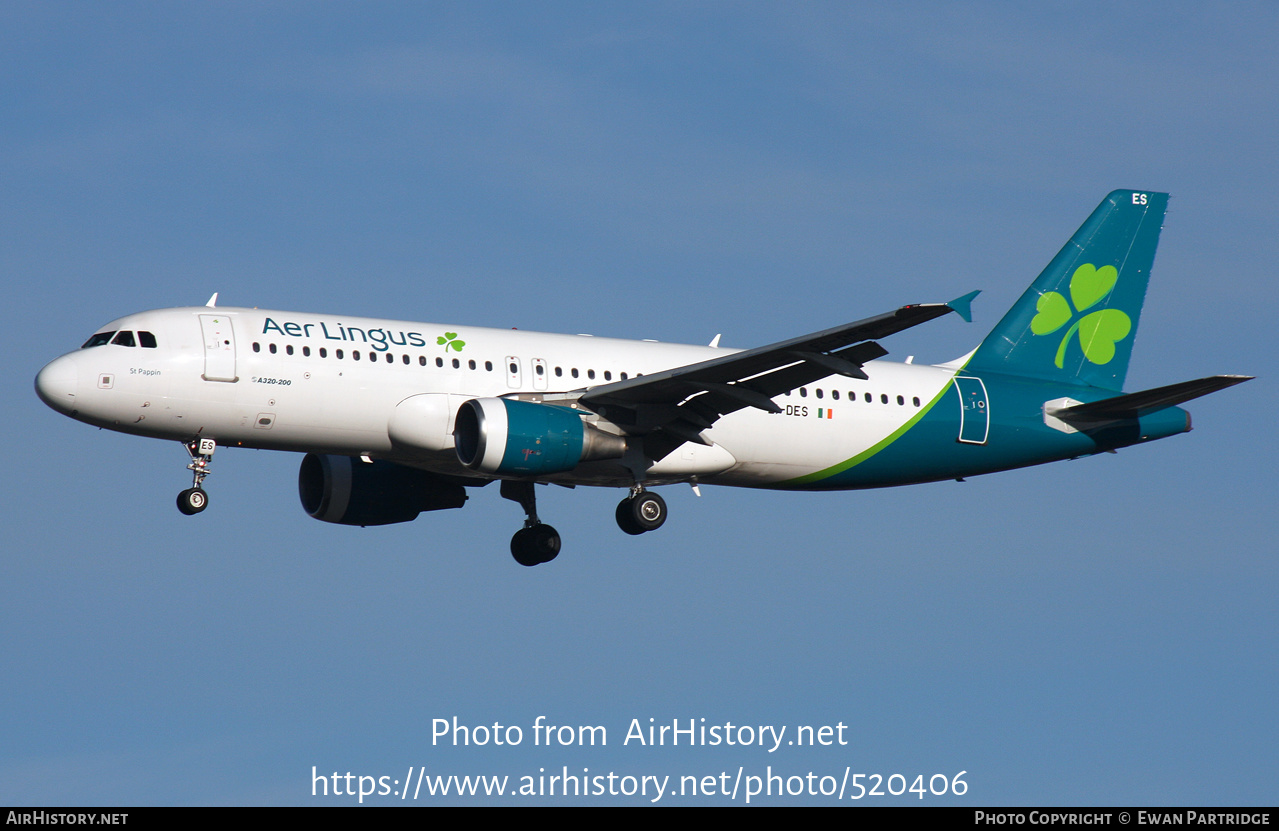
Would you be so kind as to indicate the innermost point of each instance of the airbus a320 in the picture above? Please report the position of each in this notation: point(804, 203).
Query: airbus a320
point(397, 418)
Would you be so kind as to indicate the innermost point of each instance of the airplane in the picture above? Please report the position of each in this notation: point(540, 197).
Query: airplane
point(397, 418)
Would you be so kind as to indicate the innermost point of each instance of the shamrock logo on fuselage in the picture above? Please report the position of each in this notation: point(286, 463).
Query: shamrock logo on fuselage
point(448, 341)
point(1099, 331)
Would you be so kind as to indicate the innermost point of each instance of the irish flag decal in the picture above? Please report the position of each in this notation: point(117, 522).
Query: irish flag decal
point(829, 413)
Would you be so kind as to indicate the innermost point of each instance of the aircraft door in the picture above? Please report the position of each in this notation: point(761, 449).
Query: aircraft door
point(974, 410)
point(513, 374)
point(219, 348)
point(539, 374)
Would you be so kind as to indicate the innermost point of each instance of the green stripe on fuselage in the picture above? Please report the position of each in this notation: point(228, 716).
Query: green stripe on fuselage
point(802, 482)
point(926, 448)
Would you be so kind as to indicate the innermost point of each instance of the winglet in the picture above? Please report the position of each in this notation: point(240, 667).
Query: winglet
point(963, 306)
point(213, 301)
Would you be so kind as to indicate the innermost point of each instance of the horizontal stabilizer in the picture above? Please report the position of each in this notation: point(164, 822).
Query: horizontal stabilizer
point(1137, 404)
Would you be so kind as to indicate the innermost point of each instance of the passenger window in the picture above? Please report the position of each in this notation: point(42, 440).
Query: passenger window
point(868, 398)
point(123, 339)
point(337, 353)
point(271, 347)
point(488, 366)
point(803, 392)
point(471, 364)
point(146, 340)
point(457, 364)
point(288, 350)
point(406, 359)
point(915, 401)
point(590, 373)
point(421, 359)
point(559, 372)
point(257, 347)
point(574, 371)
point(98, 339)
point(608, 376)
point(541, 370)
point(819, 393)
point(439, 362)
point(355, 354)
point(324, 353)
point(834, 394)
point(306, 351)
point(901, 402)
point(883, 399)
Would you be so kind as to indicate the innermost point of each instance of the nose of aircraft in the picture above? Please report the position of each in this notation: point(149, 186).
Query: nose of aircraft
point(56, 384)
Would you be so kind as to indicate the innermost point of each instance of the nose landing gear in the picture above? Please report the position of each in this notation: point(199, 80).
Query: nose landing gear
point(193, 500)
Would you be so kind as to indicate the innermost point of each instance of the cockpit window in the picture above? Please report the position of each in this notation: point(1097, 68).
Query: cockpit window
point(98, 340)
point(124, 338)
point(146, 340)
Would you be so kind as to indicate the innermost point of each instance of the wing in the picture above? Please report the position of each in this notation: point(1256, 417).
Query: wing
point(674, 406)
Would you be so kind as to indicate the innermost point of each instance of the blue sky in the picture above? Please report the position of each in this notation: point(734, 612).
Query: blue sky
point(1093, 632)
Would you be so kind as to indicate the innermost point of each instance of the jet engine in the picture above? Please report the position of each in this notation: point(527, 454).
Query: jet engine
point(522, 438)
point(351, 492)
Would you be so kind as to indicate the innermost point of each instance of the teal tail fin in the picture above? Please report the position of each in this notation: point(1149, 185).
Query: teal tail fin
point(1077, 321)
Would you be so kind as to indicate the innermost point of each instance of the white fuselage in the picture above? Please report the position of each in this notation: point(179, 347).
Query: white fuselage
point(333, 384)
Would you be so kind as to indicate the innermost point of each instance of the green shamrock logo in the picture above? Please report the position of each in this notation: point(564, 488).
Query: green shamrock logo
point(449, 341)
point(1098, 331)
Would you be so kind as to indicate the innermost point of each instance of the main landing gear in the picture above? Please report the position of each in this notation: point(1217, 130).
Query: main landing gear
point(193, 500)
point(641, 512)
point(536, 542)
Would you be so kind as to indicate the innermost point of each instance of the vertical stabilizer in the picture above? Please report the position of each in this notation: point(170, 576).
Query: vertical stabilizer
point(1077, 321)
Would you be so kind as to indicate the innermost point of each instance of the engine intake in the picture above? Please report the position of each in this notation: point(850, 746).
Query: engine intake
point(522, 438)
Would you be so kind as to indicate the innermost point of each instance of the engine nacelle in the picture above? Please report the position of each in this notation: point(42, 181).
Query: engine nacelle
point(522, 438)
point(350, 492)
point(425, 421)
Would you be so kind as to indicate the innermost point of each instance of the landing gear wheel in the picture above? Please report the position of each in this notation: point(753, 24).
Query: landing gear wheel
point(649, 511)
point(640, 513)
point(192, 501)
point(535, 545)
point(624, 520)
